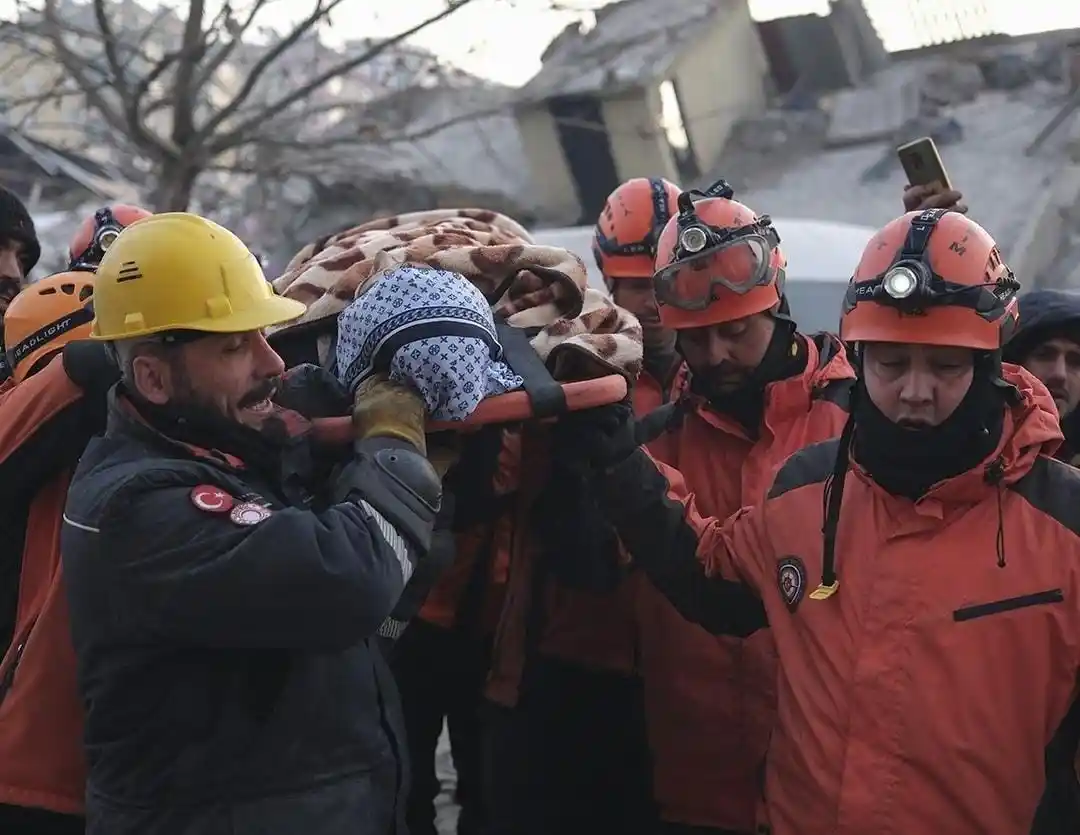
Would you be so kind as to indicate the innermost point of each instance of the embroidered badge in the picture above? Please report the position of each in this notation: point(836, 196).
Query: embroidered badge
point(211, 499)
point(791, 580)
point(248, 513)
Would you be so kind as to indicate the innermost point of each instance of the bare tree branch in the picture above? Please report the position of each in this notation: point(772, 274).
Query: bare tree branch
point(238, 135)
point(262, 65)
point(153, 92)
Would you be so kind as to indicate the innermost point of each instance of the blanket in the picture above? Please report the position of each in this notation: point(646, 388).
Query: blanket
point(579, 332)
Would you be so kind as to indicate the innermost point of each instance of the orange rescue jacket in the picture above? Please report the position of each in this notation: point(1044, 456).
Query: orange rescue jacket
point(41, 718)
point(710, 701)
point(920, 697)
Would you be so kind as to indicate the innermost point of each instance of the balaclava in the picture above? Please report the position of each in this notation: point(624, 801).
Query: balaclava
point(908, 462)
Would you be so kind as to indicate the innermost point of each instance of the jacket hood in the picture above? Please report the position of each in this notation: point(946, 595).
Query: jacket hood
point(1031, 428)
point(1043, 312)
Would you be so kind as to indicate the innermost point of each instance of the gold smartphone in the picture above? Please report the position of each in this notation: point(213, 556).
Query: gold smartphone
point(922, 163)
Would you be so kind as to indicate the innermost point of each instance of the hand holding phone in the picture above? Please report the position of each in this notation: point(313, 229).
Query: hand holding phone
point(922, 164)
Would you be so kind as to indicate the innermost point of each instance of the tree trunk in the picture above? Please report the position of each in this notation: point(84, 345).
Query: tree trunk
point(174, 185)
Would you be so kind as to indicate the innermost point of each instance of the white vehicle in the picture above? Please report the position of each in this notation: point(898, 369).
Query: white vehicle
point(821, 257)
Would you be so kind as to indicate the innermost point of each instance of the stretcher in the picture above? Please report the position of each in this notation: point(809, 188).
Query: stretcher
point(513, 407)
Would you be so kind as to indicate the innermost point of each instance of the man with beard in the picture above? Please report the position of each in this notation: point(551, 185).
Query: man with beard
point(918, 574)
point(19, 253)
point(1047, 343)
point(224, 607)
point(756, 391)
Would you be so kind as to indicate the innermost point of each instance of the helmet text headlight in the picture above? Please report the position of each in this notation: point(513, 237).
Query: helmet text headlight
point(900, 282)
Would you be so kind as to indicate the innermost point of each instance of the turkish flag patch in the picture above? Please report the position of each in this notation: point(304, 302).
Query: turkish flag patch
point(211, 499)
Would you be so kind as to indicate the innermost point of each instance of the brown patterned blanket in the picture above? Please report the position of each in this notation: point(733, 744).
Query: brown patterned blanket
point(581, 335)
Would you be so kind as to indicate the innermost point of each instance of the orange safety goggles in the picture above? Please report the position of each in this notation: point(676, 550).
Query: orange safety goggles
point(708, 259)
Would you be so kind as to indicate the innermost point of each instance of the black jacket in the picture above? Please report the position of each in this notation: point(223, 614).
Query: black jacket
point(229, 672)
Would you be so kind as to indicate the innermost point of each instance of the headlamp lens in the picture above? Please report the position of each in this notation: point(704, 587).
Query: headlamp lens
point(106, 238)
point(900, 282)
point(693, 239)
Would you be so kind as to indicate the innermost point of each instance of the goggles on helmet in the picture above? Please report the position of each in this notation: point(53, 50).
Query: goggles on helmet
point(911, 286)
point(708, 258)
point(106, 230)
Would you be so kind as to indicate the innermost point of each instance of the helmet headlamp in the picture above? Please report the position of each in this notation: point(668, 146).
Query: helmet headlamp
point(693, 240)
point(900, 281)
point(107, 236)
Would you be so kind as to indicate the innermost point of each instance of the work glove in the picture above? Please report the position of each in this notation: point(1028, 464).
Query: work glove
point(90, 366)
point(313, 392)
point(920, 198)
point(388, 409)
point(595, 440)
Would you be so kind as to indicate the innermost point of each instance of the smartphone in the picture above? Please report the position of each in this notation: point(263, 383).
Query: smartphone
point(922, 163)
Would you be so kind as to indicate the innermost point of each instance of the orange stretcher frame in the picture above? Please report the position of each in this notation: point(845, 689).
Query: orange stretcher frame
point(502, 408)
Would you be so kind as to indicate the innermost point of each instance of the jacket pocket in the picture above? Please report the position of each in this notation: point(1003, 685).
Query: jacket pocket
point(996, 607)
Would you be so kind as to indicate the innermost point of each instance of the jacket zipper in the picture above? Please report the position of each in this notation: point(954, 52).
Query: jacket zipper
point(8, 679)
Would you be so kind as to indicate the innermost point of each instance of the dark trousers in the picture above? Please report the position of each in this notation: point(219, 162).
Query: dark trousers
point(440, 674)
point(571, 758)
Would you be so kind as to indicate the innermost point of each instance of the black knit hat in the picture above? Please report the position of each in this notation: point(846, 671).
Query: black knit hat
point(17, 225)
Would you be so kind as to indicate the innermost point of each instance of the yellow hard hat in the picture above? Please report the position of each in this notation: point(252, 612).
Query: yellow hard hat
point(179, 271)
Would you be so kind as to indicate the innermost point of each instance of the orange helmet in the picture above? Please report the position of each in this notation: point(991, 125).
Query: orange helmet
point(933, 278)
point(717, 261)
point(625, 239)
point(45, 317)
point(96, 234)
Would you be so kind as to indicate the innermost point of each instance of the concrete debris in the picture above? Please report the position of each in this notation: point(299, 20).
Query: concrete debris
point(875, 113)
point(778, 129)
point(951, 83)
point(1007, 71)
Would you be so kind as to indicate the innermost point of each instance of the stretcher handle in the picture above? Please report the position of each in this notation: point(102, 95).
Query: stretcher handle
point(511, 407)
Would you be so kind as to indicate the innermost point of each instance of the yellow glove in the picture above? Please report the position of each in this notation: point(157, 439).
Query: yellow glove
point(383, 408)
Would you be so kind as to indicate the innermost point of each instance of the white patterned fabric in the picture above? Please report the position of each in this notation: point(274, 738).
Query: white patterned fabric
point(428, 327)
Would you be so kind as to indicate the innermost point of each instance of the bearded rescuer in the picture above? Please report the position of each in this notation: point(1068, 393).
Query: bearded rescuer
point(919, 575)
point(756, 392)
point(224, 611)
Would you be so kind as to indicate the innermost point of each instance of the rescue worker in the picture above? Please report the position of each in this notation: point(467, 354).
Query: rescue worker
point(45, 421)
point(624, 246)
point(97, 233)
point(919, 574)
point(754, 391)
point(577, 729)
point(19, 253)
point(1047, 343)
point(223, 608)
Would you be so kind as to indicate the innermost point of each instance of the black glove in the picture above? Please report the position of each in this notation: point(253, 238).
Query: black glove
point(89, 365)
point(313, 392)
point(595, 439)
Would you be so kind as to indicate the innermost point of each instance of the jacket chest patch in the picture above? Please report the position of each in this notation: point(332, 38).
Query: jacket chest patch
point(791, 581)
point(211, 499)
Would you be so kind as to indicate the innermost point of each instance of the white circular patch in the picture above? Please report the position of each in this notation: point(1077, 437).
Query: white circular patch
point(249, 514)
point(791, 579)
